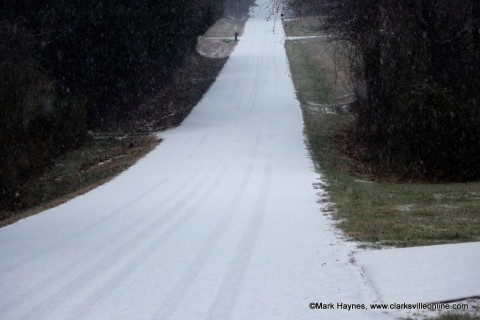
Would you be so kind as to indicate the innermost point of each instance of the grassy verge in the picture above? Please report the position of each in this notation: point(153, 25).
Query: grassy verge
point(370, 210)
point(218, 41)
point(78, 172)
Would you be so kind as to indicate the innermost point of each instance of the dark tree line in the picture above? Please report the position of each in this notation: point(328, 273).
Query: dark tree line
point(238, 8)
point(68, 66)
point(416, 76)
point(112, 51)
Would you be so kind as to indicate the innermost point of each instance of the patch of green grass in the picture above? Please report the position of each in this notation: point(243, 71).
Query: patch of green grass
point(78, 172)
point(369, 209)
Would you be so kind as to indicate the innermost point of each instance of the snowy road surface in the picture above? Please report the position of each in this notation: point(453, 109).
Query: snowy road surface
point(219, 222)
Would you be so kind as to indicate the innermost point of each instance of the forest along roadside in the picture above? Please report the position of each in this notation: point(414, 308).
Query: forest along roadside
point(375, 211)
point(384, 212)
point(107, 154)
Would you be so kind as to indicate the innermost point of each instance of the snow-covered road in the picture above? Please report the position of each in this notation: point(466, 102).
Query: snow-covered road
point(221, 221)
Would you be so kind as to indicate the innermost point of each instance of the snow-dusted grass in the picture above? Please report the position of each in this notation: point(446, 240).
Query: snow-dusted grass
point(368, 210)
point(80, 171)
point(219, 41)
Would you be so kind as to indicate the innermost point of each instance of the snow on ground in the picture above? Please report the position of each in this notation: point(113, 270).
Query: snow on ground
point(424, 274)
point(219, 40)
point(218, 222)
point(216, 47)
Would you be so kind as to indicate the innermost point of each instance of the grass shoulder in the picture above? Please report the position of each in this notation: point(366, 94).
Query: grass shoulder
point(371, 210)
point(77, 172)
point(219, 40)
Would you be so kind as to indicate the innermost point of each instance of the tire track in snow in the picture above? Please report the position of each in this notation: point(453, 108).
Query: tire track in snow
point(258, 141)
point(81, 232)
point(83, 310)
point(246, 84)
point(265, 78)
point(249, 87)
point(55, 299)
point(230, 288)
point(256, 79)
point(171, 303)
point(77, 264)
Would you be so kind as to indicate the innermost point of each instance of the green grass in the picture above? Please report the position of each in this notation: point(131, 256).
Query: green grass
point(371, 210)
point(77, 172)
